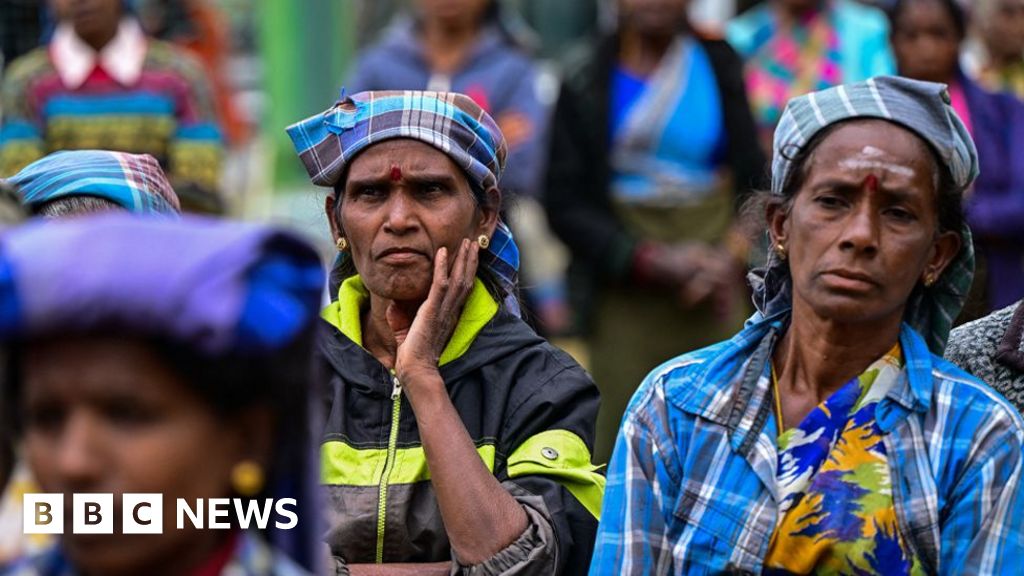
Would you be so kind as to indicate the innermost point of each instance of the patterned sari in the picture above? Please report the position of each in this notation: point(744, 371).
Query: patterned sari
point(836, 511)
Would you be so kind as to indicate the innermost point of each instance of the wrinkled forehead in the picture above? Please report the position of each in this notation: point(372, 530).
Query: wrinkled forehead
point(402, 157)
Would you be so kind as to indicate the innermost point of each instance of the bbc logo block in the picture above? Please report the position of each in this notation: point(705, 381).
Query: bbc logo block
point(93, 514)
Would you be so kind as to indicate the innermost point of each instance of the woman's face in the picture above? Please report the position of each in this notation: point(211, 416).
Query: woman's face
point(1003, 30)
point(403, 200)
point(925, 41)
point(655, 18)
point(862, 231)
point(108, 416)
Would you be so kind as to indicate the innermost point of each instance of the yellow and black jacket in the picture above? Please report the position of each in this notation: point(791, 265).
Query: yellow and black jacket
point(527, 405)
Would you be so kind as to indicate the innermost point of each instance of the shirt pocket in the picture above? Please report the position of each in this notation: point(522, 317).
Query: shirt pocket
point(710, 531)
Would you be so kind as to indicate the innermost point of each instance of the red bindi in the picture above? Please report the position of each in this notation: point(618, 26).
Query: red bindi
point(396, 173)
point(871, 183)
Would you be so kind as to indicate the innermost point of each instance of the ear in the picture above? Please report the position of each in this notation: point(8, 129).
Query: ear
point(777, 217)
point(945, 248)
point(489, 212)
point(329, 206)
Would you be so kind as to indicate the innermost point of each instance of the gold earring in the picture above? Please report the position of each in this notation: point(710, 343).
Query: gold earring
point(247, 478)
point(342, 244)
point(483, 241)
point(929, 279)
point(780, 250)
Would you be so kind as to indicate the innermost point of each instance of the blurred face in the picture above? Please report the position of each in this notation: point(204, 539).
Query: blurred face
point(863, 229)
point(92, 19)
point(403, 200)
point(925, 41)
point(1003, 33)
point(655, 18)
point(108, 416)
point(453, 11)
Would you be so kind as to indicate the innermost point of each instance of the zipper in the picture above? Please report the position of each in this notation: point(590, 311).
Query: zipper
point(389, 464)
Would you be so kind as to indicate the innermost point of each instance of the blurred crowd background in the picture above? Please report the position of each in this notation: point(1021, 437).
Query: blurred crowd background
point(632, 250)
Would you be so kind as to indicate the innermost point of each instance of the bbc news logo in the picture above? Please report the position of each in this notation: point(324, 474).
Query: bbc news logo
point(144, 513)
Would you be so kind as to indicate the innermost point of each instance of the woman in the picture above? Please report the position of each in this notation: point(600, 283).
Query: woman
point(926, 36)
point(1000, 35)
point(457, 440)
point(81, 182)
point(471, 47)
point(792, 47)
point(829, 436)
point(652, 147)
point(186, 378)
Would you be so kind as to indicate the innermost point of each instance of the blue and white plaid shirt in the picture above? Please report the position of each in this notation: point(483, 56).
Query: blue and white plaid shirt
point(692, 482)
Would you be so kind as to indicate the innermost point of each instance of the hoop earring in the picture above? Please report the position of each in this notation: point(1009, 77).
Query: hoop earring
point(484, 241)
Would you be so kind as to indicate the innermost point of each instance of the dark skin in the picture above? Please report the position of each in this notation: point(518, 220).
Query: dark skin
point(411, 221)
point(861, 234)
point(108, 415)
point(796, 8)
point(1003, 32)
point(449, 30)
point(95, 21)
point(925, 42)
point(696, 271)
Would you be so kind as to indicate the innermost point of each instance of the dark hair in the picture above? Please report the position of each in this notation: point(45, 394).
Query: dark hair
point(952, 7)
point(948, 199)
point(76, 206)
point(347, 268)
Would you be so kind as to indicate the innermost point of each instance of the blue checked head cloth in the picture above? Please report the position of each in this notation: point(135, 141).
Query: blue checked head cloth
point(134, 182)
point(451, 122)
point(925, 109)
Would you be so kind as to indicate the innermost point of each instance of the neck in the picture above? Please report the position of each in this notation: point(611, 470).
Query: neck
point(98, 39)
point(379, 338)
point(793, 14)
point(447, 42)
point(817, 356)
point(640, 53)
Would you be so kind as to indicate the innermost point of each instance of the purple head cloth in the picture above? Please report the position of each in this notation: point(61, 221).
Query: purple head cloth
point(218, 287)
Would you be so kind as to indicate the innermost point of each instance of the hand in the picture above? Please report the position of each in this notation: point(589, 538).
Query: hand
point(718, 279)
point(422, 338)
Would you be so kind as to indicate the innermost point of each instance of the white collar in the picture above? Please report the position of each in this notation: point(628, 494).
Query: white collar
point(122, 57)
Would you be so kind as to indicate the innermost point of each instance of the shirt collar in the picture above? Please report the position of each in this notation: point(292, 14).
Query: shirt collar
point(122, 58)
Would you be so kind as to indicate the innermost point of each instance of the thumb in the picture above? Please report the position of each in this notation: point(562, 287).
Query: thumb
point(399, 321)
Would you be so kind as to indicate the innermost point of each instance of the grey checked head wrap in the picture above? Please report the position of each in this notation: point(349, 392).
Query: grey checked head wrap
point(923, 108)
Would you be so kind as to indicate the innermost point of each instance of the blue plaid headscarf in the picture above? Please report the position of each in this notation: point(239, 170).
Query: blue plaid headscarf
point(134, 182)
point(453, 123)
point(925, 109)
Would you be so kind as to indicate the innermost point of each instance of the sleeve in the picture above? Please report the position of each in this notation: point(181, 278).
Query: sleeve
point(197, 150)
point(21, 134)
point(525, 123)
point(576, 198)
point(548, 470)
point(633, 537)
point(1001, 214)
point(982, 528)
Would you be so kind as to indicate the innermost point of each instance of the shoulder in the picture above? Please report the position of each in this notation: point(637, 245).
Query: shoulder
point(28, 67)
point(973, 345)
point(862, 17)
point(166, 57)
point(743, 31)
point(962, 404)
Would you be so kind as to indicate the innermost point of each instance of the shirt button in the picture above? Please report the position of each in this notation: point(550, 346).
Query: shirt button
point(549, 453)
